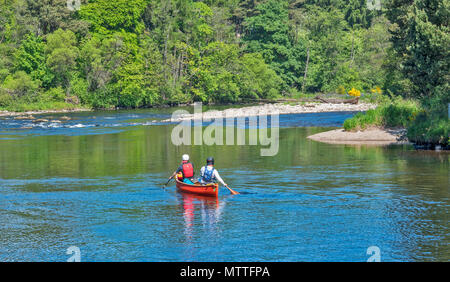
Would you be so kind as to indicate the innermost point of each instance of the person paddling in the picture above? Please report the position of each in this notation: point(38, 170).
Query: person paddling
point(185, 172)
point(210, 175)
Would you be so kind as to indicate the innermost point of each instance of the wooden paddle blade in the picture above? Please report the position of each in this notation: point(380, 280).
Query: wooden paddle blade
point(232, 191)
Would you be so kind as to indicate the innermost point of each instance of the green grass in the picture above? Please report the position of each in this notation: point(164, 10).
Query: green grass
point(395, 113)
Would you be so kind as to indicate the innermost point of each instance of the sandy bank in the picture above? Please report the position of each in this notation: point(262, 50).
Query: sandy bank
point(373, 136)
point(267, 109)
point(29, 113)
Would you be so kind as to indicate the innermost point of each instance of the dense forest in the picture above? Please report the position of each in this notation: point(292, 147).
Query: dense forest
point(139, 53)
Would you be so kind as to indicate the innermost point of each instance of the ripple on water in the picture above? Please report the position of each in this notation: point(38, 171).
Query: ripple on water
point(311, 202)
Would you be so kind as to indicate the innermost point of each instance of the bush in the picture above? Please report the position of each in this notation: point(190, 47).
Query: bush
point(399, 113)
point(79, 88)
point(429, 129)
point(396, 113)
point(341, 90)
point(361, 121)
point(20, 85)
point(5, 99)
point(346, 77)
point(55, 94)
point(354, 92)
point(104, 98)
point(3, 74)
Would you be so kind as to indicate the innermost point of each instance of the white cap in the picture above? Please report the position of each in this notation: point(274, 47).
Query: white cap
point(185, 157)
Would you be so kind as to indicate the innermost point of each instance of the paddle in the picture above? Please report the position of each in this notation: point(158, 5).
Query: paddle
point(164, 187)
point(232, 191)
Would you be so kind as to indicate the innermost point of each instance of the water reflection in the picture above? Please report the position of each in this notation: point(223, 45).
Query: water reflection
point(102, 193)
point(209, 210)
point(202, 217)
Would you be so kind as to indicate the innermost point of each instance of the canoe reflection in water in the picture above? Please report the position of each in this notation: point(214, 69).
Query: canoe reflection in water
point(208, 209)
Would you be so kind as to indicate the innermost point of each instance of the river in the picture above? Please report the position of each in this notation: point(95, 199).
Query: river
point(95, 182)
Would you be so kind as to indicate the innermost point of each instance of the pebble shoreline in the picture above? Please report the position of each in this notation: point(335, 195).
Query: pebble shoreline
point(257, 110)
point(268, 109)
point(29, 113)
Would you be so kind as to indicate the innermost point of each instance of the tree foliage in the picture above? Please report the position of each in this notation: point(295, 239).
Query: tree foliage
point(139, 53)
point(421, 37)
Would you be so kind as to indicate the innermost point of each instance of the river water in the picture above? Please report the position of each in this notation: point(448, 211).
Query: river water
point(95, 182)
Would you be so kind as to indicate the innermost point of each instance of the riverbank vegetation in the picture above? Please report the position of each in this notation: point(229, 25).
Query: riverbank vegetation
point(424, 126)
point(395, 113)
point(420, 38)
point(141, 53)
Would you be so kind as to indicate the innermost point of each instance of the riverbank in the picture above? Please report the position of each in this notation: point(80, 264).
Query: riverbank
point(255, 110)
point(427, 128)
point(370, 136)
point(30, 113)
point(268, 109)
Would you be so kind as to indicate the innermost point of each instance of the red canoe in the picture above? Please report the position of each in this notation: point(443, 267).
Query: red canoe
point(210, 190)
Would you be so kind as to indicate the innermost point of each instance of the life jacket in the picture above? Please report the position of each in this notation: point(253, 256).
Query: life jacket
point(208, 174)
point(188, 170)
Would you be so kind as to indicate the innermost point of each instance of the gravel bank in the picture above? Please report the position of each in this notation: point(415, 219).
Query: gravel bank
point(268, 109)
point(29, 113)
point(373, 136)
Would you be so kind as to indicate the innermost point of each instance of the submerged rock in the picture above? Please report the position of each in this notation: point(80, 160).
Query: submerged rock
point(40, 120)
point(25, 117)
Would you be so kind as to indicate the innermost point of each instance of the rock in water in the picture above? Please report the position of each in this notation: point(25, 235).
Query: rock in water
point(25, 117)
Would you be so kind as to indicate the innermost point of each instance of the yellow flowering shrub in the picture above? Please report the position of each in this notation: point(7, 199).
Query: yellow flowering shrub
point(354, 92)
point(377, 90)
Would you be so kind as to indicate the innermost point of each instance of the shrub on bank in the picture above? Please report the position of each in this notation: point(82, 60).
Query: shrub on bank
point(354, 92)
point(395, 113)
point(428, 129)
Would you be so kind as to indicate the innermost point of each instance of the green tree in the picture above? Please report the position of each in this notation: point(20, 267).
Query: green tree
point(241, 10)
point(107, 16)
point(330, 43)
point(6, 14)
point(355, 15)
point(257, 79)
point(214, 72)
point(268, 33)
point(62, 52)
point(421, 37)
point(138, 81)
point(30, 57)
point(42, 17)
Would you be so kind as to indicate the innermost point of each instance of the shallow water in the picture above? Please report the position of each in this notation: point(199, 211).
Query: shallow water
point(95, 182)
